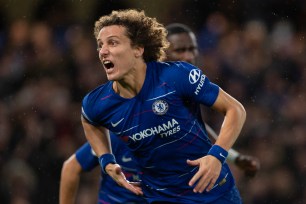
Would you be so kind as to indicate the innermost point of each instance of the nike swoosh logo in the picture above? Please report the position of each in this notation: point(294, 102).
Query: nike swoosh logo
point(222, 155)
point(117, 123)
point(126, 159)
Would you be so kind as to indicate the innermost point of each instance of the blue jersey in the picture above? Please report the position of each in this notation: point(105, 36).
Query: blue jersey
point(110, 191)
point(161, 126)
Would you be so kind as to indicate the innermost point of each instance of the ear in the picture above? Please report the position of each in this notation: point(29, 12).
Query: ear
point(138, 51)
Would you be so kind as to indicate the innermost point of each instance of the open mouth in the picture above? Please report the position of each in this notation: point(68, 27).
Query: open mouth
point(108, 64)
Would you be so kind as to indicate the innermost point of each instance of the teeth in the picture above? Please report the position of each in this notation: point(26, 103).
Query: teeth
point(106, 62)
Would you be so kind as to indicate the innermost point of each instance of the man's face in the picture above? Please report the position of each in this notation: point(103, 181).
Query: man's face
point(115, 52)
point(183, 47)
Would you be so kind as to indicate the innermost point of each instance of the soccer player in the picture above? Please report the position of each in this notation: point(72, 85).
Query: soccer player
point(85, 160)
point(183, 47)
point(146, 103)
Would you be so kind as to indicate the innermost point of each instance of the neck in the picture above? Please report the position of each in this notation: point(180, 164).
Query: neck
point(131, 85)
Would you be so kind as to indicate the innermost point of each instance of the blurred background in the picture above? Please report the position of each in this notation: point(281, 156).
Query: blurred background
point(255, 50)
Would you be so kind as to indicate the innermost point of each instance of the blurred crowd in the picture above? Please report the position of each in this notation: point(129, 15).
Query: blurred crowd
point(45, 71)
point(266, 71)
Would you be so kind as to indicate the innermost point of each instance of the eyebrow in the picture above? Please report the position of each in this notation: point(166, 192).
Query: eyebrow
point(112, 36)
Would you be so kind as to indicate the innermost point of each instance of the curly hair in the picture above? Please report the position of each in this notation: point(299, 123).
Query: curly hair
point(142, 30)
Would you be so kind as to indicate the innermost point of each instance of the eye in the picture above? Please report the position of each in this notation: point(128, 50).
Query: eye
point(192, 49)
point(180, 50)
point(112, 43)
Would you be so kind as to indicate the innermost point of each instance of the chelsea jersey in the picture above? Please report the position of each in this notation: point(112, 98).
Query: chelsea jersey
point(161, 127)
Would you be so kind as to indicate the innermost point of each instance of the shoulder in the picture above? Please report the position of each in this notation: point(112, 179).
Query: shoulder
point(94, 102)
point(171, 65)
point(101, 90)
point(177, 71)
point(171, 69)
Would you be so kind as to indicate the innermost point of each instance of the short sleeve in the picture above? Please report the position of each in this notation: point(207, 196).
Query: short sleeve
point(192, 83)
point(86, 157)
point(87, 112)
point(91, 106)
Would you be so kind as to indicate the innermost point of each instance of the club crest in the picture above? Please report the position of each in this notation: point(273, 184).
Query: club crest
point(160, 107)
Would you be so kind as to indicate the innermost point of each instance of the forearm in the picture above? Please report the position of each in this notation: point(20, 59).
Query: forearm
point(231, 127)
point(234, 118)
point(97, 137)
point(249, 164)
point(69, 183)
point(68, 191)
point(232, 154)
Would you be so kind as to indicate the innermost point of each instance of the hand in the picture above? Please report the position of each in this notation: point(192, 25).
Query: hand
point(114, 171)
point(208, 173)
point(250, 165)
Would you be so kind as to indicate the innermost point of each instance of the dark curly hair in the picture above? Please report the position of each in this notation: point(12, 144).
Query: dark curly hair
point(141, 30)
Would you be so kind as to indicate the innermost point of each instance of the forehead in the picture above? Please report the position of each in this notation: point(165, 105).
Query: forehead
point(112, 31)
point(182, 40)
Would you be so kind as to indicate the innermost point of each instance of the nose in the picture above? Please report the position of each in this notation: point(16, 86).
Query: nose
point(103, 51)
point(189, 56)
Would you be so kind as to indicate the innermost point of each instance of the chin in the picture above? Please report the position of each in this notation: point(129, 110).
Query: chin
point(112, 77)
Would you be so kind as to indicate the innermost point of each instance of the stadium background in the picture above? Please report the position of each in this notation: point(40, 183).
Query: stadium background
point(255, 50)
